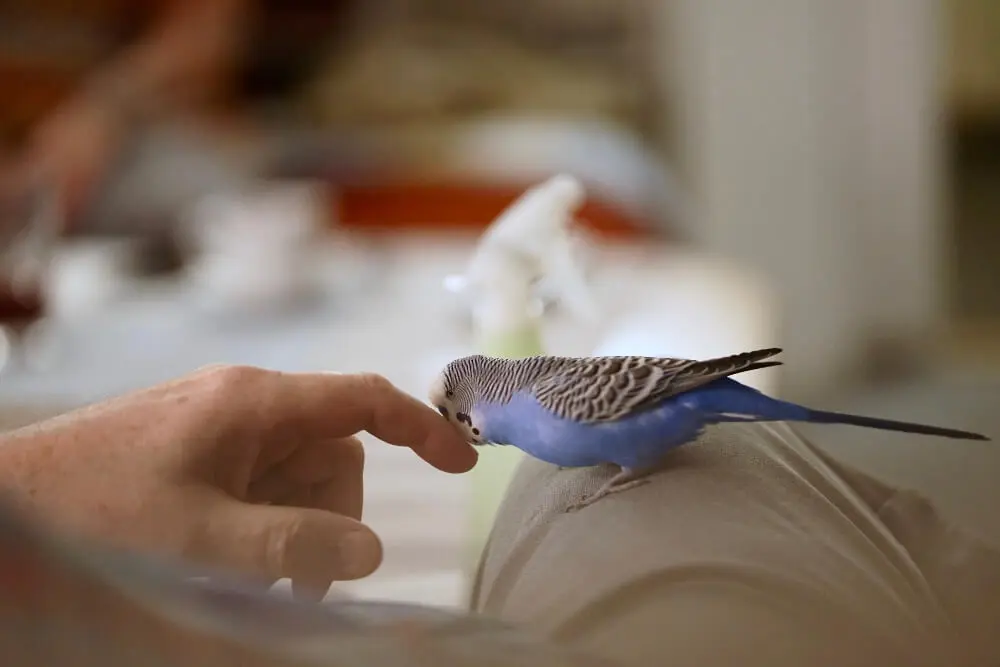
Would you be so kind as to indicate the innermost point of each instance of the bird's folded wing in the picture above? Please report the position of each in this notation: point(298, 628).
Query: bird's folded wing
point(602, 389)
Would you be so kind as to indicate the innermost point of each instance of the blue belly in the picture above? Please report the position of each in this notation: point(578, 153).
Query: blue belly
point(637, 441)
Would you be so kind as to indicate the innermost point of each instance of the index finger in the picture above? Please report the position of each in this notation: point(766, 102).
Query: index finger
point(339, 405)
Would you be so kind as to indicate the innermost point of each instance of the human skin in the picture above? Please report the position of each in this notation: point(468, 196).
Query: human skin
point(253, 471)
point(179, 65)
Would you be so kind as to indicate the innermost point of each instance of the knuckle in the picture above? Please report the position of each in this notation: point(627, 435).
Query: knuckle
point(278, 545)
point(224, 379)
point(354, 454)
point(210, 369)
point(376, 382)
point(225, 394)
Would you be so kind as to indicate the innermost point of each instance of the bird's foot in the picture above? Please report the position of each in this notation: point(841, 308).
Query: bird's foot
point(605, 492)
point(623, 481)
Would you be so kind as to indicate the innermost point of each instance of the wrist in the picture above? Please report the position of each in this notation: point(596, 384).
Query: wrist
point(41, 478)
point(15, 463)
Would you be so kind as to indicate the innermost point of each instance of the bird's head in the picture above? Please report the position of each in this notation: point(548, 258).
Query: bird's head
point(453, 393)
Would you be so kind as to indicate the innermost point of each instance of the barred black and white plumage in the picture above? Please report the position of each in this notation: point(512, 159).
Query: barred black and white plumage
point(588, 389)
point(495, 379)
point(601, 389)
point(628, 411)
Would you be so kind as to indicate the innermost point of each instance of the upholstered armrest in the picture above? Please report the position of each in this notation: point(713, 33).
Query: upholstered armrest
point(750, 547)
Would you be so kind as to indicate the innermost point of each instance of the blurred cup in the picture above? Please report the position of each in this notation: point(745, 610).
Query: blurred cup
point(86, 275)
point(256, 249)
point(30, 225)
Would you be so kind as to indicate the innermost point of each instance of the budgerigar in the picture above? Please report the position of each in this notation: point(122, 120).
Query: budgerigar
point(627, 411)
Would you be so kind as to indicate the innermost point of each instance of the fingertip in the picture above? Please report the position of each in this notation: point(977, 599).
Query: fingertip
point(466, 458)
point(361, 552)
point(358, 553)
point(446, 449)
point(394, 416)
point(458, 461)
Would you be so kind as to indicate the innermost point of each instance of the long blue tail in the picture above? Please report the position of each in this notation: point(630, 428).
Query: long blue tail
point(826, 417)
point(730, 401)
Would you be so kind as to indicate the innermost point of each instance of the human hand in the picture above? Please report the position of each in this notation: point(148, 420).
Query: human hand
point(241, 468)
point(71, 150)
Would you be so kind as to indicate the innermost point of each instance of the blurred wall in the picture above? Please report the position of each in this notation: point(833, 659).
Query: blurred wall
point(809, 130)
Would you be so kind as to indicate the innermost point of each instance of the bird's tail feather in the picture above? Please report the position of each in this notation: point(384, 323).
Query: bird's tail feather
point(826, 417)
point(759, 365)
point(729, 401)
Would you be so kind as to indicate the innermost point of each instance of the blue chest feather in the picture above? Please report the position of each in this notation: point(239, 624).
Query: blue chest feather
point(636, 441)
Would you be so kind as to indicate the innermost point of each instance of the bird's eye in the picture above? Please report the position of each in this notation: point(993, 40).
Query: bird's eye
point(449, 394)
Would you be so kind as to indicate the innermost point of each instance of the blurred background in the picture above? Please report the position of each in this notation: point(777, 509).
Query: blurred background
point(290, 183)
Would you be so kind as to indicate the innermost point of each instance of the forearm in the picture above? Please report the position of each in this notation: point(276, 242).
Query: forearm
point(182, 63)
point(185, 59)
point(24, 453)
point(15, 464)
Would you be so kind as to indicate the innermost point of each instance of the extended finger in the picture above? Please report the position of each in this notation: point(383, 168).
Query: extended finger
point(341, 405)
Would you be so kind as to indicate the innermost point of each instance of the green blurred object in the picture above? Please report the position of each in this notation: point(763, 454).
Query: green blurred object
point(496, 465)
point(528, 242)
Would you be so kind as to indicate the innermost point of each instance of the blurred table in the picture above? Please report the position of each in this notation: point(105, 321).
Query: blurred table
point(386, 311)
point(157, 331)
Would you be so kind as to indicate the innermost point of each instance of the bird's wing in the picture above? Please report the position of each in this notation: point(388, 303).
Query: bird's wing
point(602, 389)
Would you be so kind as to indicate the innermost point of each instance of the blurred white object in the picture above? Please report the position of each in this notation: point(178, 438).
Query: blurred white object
point(82, 278)
point(697, 307)
point(257, 248)
point(615, 162)
point(529, 246)
point(29, 233)
point(86, 275)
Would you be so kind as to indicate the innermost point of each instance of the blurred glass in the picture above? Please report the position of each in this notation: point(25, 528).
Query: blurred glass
point(29, 231)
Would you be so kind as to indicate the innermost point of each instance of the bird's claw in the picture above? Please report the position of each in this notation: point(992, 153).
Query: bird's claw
point(605, 491)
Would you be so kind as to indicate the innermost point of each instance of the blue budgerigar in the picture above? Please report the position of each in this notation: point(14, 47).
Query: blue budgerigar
point(626, 411)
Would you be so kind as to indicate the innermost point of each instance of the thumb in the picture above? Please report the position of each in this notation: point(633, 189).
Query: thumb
point(312, 547)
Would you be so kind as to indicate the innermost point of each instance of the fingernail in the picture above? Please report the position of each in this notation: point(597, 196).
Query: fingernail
point(360, 553)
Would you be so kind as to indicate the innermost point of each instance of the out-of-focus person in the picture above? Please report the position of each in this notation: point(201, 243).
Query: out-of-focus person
point(86, 79)
point(166, 58)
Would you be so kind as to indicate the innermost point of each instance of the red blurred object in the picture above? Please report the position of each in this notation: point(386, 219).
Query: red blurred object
point(413, 206)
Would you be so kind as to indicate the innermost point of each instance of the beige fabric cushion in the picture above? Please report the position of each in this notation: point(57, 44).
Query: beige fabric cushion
point(750, 548)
